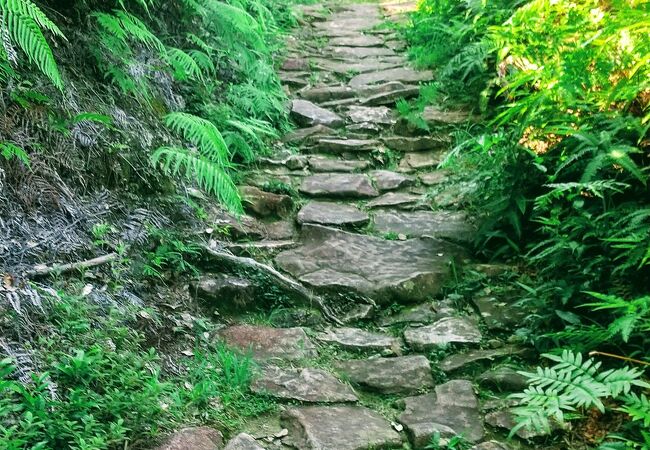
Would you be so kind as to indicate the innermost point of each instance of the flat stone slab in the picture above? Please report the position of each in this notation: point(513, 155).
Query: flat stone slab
point(358, 67)
point(243, 441)
point(347, 145)
point(451, 410)
point(328, 93)
point(361, 40)
point(504, 379)
point(338, 185)
point(390, 98)
point(415, 144)
point(399, 375)
point(305, 385)
point(449, 330)
point(359, 52)
point(416, 315)
point(334, 260)
point(361, 340)
point(338, 428)
point(438, 224)
point(387, 180)
point(462, 360)
point(402, 74)
point(506, 420)
point(348, 24)
point(308, 114)
point(266, 343)
point(324, 164)
point(433, 178)
point(328, 213)
point(304, 134)
point(396, 199)
point(411, 162)
point(380, 115)
point(491, 445)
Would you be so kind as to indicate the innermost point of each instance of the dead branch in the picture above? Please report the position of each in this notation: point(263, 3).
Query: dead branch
point(283, 280)
point(41, 270)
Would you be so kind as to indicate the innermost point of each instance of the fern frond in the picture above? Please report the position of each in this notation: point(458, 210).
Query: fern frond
point(24, 22)
point(202, 133)
point(184, 65)
point(638, 408)
point(209, 175)
point(9, 151)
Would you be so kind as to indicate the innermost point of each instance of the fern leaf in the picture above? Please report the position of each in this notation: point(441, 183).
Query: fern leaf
point(209, 175)
point(638, 408)
point(202, 133)
point(10, 151)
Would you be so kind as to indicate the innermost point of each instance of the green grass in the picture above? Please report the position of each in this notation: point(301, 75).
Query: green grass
point(97, 384)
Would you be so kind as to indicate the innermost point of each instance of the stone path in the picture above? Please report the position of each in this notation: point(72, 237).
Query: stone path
point(362, 234)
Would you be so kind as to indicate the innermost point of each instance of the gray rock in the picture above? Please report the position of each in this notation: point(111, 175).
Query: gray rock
point(500, 314)
point(438, 224)
point(402, 74)
point(433, 116)
point(327, 213)
point(338, 428)
point(347, 145)
point(462, 360)
point(380, 115)
point(322, 164)
point(224, 290)
point(292, 79)
point(327, 93)
point(264, 204)
point(303, 134)
point(244, 227)
point(390, 98)
point(362, 40)
point(199, 438)
point(449, 330)
point(338, 185)
point(357, 67)
point(307, 114)
point(295, 64)
point(265, 248)
point(359, 52)
point(361, 340)
point(452, 410)
point(433, 178)
point(415, 144)
point(361, 311)
point(348, 25)
point(420, 314)
point(419, 160)
point(386, 180)
point(397, 199)
point(243, 441)
point(280, 230)
point(398, 375)
point(506, 419)
point(504, 379)
point(305, 385)
point(330, 259)
point(266, 343)
point(491, 445)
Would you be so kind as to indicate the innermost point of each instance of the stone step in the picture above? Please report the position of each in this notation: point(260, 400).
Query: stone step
point(338, 428)
point(449, 330)
point(268, 343)
point(357, 339)
point(358, 52)
point(400, 200)
point(322, 164)
point(329, 213)
point(402, 74)
point(362, 40)
point(338, 185)
point(333, 260)
point(304, 134)
point(326, 145)
point(451, 225)
point(412, 162)
point(416, 144)
point(378, 115)
point(387, 180)
point(308, 114)
point(398, 375)
point(302, 384)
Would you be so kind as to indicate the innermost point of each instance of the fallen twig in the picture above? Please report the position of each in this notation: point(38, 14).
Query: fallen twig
point(281, 279)
point(41, 270)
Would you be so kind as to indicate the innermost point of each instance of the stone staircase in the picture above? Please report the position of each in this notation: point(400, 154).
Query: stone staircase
point(361, 231)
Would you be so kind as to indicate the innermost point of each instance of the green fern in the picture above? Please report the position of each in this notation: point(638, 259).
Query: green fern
point(571, 385)
point(22, 23)
point(638, 408)
point(207, 165)
point(10, 151)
